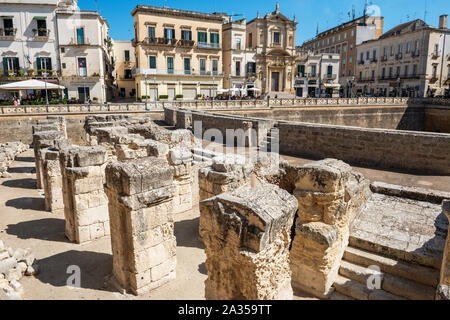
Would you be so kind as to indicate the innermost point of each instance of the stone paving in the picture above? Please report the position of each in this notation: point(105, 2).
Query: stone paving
point(407, 229)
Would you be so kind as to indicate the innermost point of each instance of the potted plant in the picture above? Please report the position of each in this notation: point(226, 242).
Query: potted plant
point(199, 96)
point(95, 99)
point(31, 72)
point(163, 97)
point(179, 96)
point(20, 73)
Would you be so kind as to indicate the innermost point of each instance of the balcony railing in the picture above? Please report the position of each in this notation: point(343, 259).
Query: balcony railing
point(435, 55)
point(186, 43)
point(361, 62)
point(209, 45)
point(41, 34)
point(384, 58)
point(373, 60)
point(330, 76)
point(178, 72)
point(415, 53)
point(8, 33)
point(399, 56)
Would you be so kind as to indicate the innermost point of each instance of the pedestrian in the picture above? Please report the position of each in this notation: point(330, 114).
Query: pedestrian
point(15, 102)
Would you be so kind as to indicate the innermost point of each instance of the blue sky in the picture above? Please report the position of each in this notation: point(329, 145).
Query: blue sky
point(309, 13)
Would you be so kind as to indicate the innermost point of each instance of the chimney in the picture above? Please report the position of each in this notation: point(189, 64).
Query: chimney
point(443, 21)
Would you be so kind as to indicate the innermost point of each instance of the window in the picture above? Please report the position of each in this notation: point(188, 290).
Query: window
point(344, 61)
point(42, 28)
point(127, 55)
point(400, 48)
point(238, 69)
point(151, 34)
point(383, 73)
point(350, 60)
point(328, 40)
point(353, 33)
point(373, 74)
point(63, 65)
point(349, 72)
point(63, 50)
point(392, 51)
point(250, 40)
point(202, 37)
point(406, 71)
point(416, 46)
point(215, 67)
point(374, 54)
point(334, 39)
point(80, 36)
point(408, 47)
point(276, 38)
point(385, 52)
point(329, 71)
point(390, 72)
point(415, 70)
point(251, 68)
point(8, 27)
point(84, 94)
point(345, 35)
point(128, 74)
point(339, 37)
point(351, 47)
point(435, 71)
point(43, 65)
point(170, 68)
point(187, 66)
point(214, 37)
point(368, 55)
point(202, 66)
point(186, 35)
point(169, 33)
point(313, 70)
point(238, 44)
point(10, 65)
point(152, 62)
point(82, 67)
point(398, 71)
point(436, 49)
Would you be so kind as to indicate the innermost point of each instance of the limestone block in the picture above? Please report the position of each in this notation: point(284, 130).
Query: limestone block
point(247, 237)
point(85, 204)
point(330, 195)
point(443, 291)
point(140, 194)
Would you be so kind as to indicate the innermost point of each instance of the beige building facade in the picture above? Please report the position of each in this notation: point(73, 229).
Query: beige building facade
point(85, 54)
point(411, 60)
point(239, 61)
point(272, 37)
point(343, 40)
point(124, 62)
point(178, 53)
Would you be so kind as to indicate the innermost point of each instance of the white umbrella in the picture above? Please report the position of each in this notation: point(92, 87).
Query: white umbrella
point(30, 85)
point(253, 89)
point(223, 90)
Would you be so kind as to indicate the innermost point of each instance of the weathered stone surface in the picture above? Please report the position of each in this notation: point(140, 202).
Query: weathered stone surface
point(247, 238)
point(140, 194)
point(330, 195)
point(443, 292)
point(85, 203)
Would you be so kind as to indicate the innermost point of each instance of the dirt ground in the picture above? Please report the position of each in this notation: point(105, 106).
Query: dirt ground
point(25, 224)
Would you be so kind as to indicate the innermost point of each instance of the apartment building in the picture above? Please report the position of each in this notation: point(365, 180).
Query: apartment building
point(28, 40)
point(343, 40)
point(178, 53)
point(85, 50)
point(317, 75)
point(239, 61)
point(124, 62)
point(272, 37)
point(410, 60)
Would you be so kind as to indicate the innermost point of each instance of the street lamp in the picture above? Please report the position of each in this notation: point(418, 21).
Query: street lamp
point(146, 92)
point(398, 81)
point(45, 80)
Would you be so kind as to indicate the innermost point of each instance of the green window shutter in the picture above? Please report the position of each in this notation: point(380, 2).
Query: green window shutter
point(152, 62)
point(5, 66)
point(16, 64)
point(218, 38)
point(49, 64)
point(38, 64)
point(198, 37)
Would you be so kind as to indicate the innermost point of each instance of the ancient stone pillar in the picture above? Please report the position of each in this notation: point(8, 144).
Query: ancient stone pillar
point(183, 119)
point(329, 195)
point(443, 290)
point(43, 140)
point(85, 203)
point(140, 194)
point(181, 160)
point(60, 123)
point(247, 234)
point(226, 173)
point(52, 177)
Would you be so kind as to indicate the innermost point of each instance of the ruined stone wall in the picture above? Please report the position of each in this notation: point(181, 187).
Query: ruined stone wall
point(85, 202)
point(247, 238)
point(418, 151)
point(437, 119)
point(140, 194)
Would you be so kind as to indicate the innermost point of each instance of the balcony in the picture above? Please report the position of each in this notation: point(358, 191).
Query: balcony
point(361, 62)
point(161, 41)
point(251, 75)
point(176, 72)
point(126, 78)
point(415, 53)
point(209, 45)
point(41, 34)
point(384, 58)
point(8, 34)
point(399, 56)
point(330, 76)
point(186, 43)
point(435, 55)
point(373, 60)
point(76, 43)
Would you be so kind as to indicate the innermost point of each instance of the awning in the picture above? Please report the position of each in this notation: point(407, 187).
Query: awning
point(6, 17)
point(30, 85)
point(331, 85)
point(39, 18)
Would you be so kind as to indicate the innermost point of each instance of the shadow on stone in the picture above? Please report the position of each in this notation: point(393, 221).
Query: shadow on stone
point(25, 159)
point(202, 269)
point(186, 232)
point(94, 269)
point(21, 170)
point(44, 229)
point(21, 183)
point(37, 204)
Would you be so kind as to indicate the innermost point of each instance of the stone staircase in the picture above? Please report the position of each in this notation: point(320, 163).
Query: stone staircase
point(400, 280)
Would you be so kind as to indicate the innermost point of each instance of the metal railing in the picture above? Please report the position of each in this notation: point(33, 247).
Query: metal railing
point(209, 45)
point(147, 71)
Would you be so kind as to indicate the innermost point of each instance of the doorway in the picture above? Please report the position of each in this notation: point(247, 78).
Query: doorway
point(275, 83)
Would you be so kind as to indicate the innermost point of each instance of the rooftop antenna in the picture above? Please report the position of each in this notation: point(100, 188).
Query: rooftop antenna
point(426, 12)
point(353, 12)
point(317, 31)
point(365, 10)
